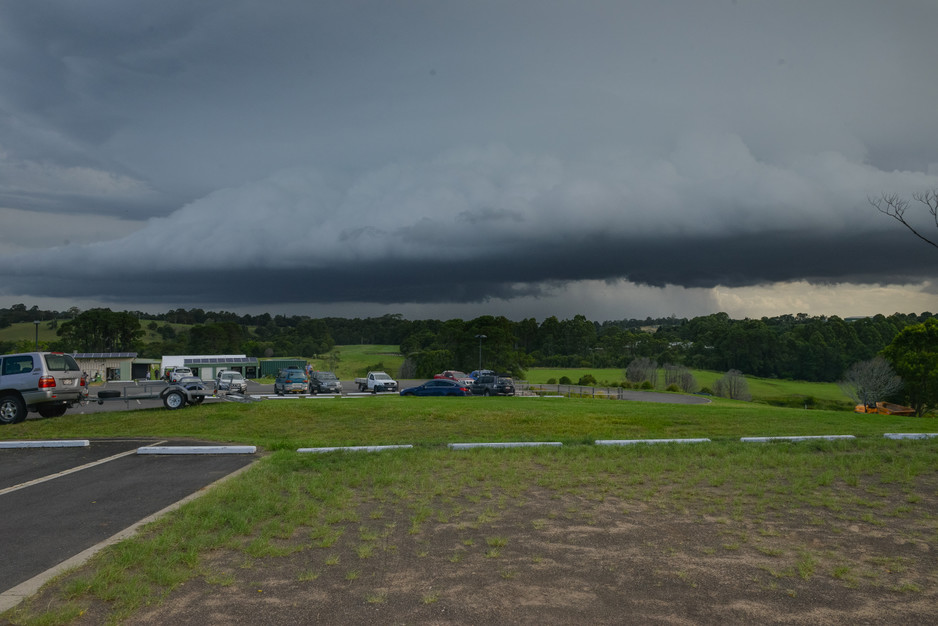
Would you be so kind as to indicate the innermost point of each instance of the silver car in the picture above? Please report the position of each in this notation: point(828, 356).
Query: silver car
point(47, 382)
point(232, 382)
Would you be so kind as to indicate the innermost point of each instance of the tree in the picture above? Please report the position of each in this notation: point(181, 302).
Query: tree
point(868, 382)
point(101, 330)
point(733, 385)
point(680, 376)
point(642, 369)
point(895, 207)
point(914, 355)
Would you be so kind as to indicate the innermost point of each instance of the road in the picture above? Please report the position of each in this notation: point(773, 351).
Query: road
point(258, 389)
point(60, 502)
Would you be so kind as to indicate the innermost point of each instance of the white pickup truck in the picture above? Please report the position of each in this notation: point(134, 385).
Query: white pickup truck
point(375, 382)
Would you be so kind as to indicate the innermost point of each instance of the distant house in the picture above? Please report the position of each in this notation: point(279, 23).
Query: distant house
point(206, 366)
point(114, 365)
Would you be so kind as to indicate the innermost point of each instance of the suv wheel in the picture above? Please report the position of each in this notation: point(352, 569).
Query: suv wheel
point(12, 409)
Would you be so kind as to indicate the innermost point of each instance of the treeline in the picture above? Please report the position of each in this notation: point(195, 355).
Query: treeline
point(798, 347)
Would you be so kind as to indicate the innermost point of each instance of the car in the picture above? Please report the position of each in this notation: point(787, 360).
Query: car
point(324, 382)
point(460, 377)
point(178, 373)
point(193, 383)
point(474, 374)
point(230, 381)
point(291, 381)
point(492, 385)
point(438, 387)
point(45, 382)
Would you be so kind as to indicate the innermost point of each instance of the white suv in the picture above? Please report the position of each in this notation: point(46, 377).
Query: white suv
point(47, 382)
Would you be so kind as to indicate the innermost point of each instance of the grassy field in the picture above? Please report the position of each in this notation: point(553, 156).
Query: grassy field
point(26, 331)
point(765, 390)
point(432, 422)
point(355, 360)
point(346, 527)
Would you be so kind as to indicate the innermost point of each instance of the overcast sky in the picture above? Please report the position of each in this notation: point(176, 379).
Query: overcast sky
point(453, 159)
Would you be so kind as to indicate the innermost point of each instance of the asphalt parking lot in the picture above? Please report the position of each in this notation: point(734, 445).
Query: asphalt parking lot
point(60, 503)
point(258, 390)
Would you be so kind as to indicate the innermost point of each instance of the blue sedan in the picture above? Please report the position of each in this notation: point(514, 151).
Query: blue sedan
point(438, 387)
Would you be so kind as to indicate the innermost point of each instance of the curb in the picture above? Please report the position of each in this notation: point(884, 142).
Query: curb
point(510, 444)
point(197, 450)
point(354, 448)
point(799, 438)
point(64, 443)
point(625, 442)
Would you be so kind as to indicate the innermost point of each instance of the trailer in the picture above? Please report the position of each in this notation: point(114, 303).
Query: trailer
point(173, 395)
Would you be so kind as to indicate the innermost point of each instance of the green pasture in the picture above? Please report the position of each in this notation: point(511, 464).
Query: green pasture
point(764, 390)
point(26, 331)
point(339, 510)
point(354, 360)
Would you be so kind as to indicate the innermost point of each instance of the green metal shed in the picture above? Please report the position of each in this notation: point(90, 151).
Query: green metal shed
point(273, 366)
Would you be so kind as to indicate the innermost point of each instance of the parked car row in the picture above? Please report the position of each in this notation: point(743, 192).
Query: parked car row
point(296, 380)
point(455, 383)
point(50, 382)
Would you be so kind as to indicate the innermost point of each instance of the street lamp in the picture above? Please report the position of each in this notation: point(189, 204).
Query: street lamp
point(37, 322)
point(480, 338)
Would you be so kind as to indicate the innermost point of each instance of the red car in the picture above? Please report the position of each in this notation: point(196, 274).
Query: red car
point(459, 377)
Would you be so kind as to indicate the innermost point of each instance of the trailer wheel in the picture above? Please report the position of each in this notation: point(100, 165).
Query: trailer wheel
point(174, 400)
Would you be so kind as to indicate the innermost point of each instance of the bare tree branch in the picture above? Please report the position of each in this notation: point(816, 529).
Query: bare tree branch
point(868, 382)
point(895, 207)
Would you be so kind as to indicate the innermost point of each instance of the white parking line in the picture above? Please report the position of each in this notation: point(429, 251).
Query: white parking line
point(72, 470)
point(12, 597)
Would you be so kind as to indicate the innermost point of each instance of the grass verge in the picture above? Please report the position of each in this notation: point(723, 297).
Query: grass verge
point(307, 514)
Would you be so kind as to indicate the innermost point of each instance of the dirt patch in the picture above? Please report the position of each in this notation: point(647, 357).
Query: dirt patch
point(550, 559)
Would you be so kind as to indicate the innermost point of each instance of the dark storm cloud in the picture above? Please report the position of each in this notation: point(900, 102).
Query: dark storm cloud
point(458, 152)
point(735, 261)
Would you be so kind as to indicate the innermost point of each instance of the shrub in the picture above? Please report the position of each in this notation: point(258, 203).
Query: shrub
point(551, 381)
point(673, 387)
point(565, 380)
point(647, 385)
point(587, 380)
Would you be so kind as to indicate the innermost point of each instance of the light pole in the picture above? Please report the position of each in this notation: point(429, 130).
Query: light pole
point(480, 338)
point(37, 322)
